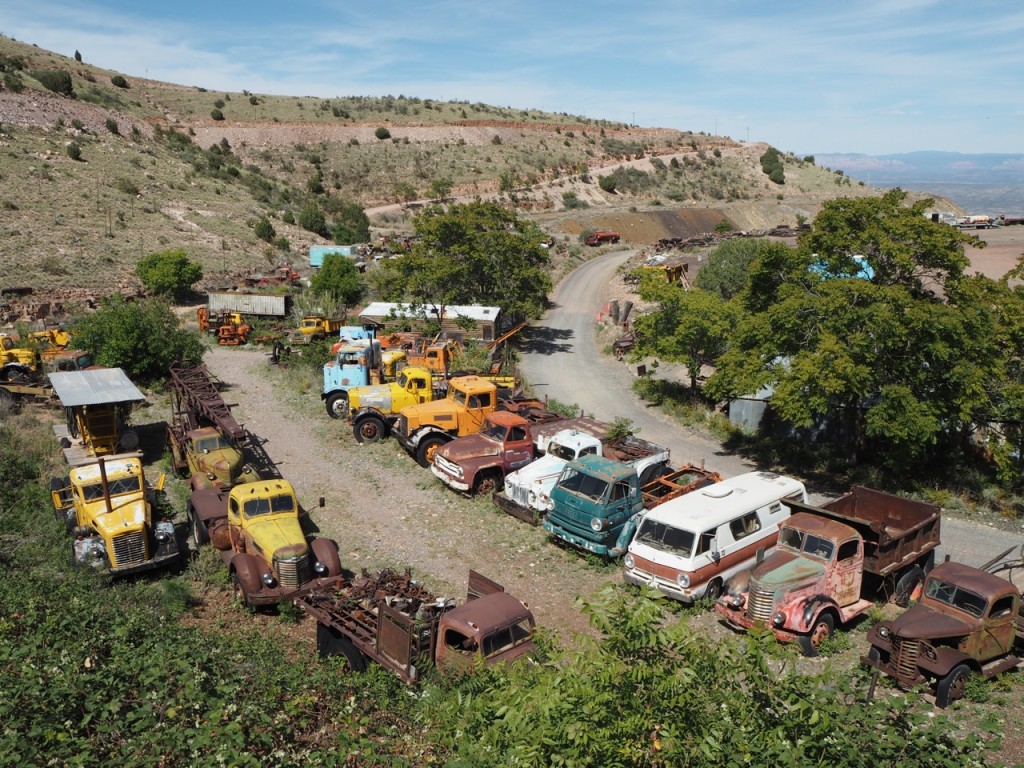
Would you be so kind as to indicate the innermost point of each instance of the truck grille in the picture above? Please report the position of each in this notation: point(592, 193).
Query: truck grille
point(129, 549)
point(447, 466)
point(293, 573)
point(904, 657)
point(403, 426)
point(520, 494)
point(760, 602)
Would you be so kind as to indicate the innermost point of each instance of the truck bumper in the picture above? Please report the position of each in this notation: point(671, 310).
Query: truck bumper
point(526, 514)
point(405, 442)
point(166, 554)
point(738, 619)
point(274, 595)
point(667, 588)
point(448, 480)
point(576, 540)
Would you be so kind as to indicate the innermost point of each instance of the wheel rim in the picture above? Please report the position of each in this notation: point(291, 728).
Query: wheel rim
point(819, 634)
point(430, 452)
point(486, 486)
point(338, 406)
point(369, 431)
point(958, 688)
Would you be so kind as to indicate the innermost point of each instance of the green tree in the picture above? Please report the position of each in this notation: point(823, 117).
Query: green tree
point(74, 150)
point(607, 183)
point(405, 191)
point(479, 253)
point(339, 279)
point(264, 230)
point(728, 266)
point(142, 337)
point(351, 225)
point(440, 188)
point(689, 327)
point(909, 359)
point(771, 164)
point(216, 114)
point(169, 273)
point(311, 219)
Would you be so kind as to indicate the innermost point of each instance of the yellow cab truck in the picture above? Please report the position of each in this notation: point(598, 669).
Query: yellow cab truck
point(256, 528)
point(315, 327)
point(108, 509)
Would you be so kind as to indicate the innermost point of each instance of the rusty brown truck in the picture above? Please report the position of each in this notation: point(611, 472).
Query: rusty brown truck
point(392, 620)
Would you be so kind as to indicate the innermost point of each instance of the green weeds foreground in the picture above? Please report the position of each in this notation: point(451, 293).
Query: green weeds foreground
point(97, 674)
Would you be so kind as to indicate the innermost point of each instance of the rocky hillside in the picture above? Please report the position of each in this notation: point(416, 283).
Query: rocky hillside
point(115, 167)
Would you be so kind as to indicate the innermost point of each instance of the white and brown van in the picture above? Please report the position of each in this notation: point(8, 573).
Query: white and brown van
point(690, 546)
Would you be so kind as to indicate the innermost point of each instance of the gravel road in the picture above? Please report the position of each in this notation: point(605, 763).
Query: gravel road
point(561, 360)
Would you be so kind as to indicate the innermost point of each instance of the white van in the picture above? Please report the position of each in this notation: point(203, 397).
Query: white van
point(690, 546)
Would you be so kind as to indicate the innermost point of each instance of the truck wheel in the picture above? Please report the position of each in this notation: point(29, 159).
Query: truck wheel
point(337, 405)
point(239, 593)
point(330, 643)
point(953, 686)
point(427, 448)
point(910, 586)
point(200, 533)
point(369, 429)
point(714, 590)
point(653, 473)
point(487, 483)
point(810, 644)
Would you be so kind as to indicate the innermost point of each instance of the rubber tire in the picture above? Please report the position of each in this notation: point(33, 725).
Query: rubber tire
point(427, 448)
point(822, 629)
point(239, 592)
point(488, 482)
point(714, 590)
point(328, 643)
point(653, 473)
point(369, 429)
point(200, 533)
point(952, 686)
point(910, 586)
point(337, 405)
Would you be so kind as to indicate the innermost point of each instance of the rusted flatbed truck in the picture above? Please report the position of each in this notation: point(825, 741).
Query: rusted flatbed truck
point(390, 619)
point(968, 622)
point(831, 561)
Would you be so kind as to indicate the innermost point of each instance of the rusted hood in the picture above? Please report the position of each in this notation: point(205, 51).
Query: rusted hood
point(926, 622)
point(280, 536)
point(126, 515)
point(781, 568)
point(470, 447)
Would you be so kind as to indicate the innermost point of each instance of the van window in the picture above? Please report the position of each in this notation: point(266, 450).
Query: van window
point(706, 539)
point(459, 642)
point(746, 525)
point(666, 538)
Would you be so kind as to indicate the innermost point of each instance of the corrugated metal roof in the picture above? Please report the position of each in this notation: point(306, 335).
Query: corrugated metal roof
point(472, 311)
point(103, 385)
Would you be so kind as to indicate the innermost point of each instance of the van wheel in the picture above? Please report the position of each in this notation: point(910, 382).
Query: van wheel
point(909, 587)
point(821, 631)
point(329, 643)
point(714, 590)
point(953, 686)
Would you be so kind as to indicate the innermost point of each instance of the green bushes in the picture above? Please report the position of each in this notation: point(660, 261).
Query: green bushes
point(74, 151)
point(119, 81)
point(55, 80)
point(113, 127)
point(771, 164)
point(169, 273)
point(216, 114)
point(264, 230)
point(382, 133)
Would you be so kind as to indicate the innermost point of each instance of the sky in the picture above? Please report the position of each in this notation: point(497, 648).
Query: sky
point(806, 76)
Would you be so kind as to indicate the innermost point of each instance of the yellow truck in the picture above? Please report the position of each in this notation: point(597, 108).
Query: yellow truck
point(315, 327)
point(108, 509)
point(256, 528)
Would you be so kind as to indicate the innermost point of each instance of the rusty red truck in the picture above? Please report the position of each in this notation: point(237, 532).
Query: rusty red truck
point(831, 561)
point(508, 441)
point(602, 236)
point(392, 620)
point(967, 622)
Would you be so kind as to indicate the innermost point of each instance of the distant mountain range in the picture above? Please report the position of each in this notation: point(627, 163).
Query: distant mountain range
point(983, 183)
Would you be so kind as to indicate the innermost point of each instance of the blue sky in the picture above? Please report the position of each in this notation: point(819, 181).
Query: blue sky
point(807, 77)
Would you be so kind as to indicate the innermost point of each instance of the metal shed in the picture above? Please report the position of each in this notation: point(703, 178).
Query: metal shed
point(97, 403)
point(95, 387)
point(389, 317)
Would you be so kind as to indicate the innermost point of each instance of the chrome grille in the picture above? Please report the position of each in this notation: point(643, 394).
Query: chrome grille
point(904, 657)
point(403, 426)
point(447, 466)
point(129, 549)
point(520, 495)
point(760, 602)
point(293, 573)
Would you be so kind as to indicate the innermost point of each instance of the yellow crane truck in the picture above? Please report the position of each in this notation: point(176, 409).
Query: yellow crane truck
point(108, 509)
point(256, 528)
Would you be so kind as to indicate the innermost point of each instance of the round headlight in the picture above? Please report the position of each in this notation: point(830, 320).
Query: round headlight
point(267, 579)
point(736, 601)
point(596, 524)
point(210, 476)
point(320, 568)
point(683, 580)
point(628, 561)
point(883, 631)
point(162, 536)
point(779, 619)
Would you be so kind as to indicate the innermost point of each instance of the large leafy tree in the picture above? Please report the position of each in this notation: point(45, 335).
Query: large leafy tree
point(169, 273)
point(142, 337)
point(338, 279)
point(479, 253)
point(728, 266)
point(910, 356)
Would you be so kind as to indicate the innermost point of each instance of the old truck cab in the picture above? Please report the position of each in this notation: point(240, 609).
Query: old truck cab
point(212, 456)
point(351, 367)
point(497, 627)
point(479, 462)
point(967, 622)
point(423, 428)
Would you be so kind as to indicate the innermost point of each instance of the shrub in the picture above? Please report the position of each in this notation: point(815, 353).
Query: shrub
point(119, 81)
point(496, 140)
point(265, 230)
point(126, 186)
point(216, 114)
point(571, 201)
point(169, 273)
point(311, 219)
point(54, 80)
point(74, 151)
point(607, 183)
point(13, 82)
point(113, 127)
point(771, 165)
point(219, 103)
point(382, 133)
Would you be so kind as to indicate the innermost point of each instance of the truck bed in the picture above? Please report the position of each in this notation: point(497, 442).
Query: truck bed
point(896, 530)
point(632, 449)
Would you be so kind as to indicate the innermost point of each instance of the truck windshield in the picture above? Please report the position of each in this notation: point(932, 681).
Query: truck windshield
point(664, 537)
point(458, 397)
point(212, 443)
point(560, 451)
point(282, 502)
point(582, 484)
point(494, 432)
point(117, 487)
point(348, 358)
point(958, 597)
point(809, 544)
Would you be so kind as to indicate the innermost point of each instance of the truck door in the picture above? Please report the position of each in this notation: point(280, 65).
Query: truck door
point(999, 632)
point(476, 408)
point(518, 448)
point(848, 566)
